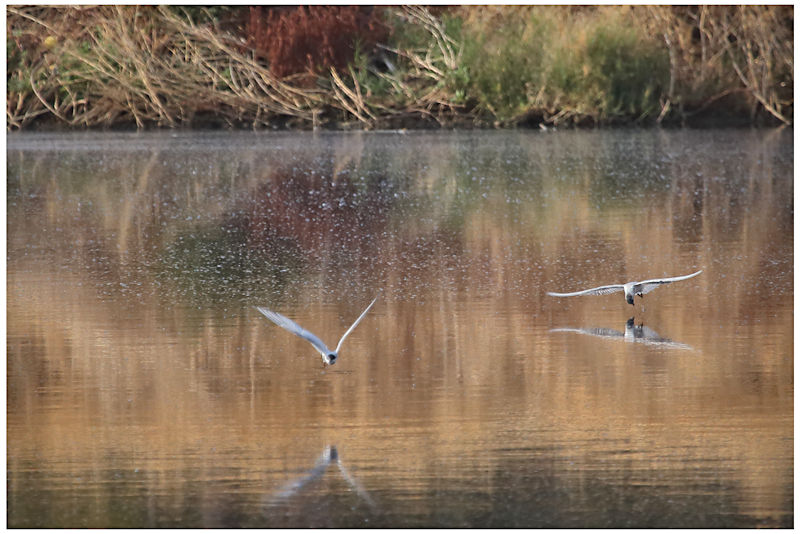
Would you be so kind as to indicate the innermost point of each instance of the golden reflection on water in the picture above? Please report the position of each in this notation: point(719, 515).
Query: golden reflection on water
point(141, 394)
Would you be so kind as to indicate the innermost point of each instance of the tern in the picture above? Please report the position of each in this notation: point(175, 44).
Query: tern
point(328, 356)
point(630, 289)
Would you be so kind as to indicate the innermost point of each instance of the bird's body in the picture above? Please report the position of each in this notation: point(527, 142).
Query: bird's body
point(631, 288)
point(328, 356)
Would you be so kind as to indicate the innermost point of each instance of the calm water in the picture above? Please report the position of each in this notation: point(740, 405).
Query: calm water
point(145, 390)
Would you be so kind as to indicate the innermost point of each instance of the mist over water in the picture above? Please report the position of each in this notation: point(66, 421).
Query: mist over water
point(144, 390)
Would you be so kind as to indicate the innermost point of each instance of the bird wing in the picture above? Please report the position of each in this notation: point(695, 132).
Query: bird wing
point(294, 328)
point(647, 286)
point(355, 323)
point(602, 290)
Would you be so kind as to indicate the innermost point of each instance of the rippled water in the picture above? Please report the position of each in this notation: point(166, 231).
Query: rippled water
point(145, 390)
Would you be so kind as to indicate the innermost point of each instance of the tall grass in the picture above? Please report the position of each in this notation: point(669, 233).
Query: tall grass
point(157, 66)
point(555, 62)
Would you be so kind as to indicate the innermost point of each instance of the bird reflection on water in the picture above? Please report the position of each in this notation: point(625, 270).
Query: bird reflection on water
point(329, 455)
point(633, 333)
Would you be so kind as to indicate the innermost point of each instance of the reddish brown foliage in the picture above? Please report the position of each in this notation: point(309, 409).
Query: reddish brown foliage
point(311, 39)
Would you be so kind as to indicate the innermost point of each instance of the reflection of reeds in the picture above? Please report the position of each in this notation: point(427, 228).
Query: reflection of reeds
point(454, 364)
point(187, 393)
point(371, 219)
point(319, 212)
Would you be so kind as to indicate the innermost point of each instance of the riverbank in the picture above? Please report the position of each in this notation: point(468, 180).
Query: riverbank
point(379, 67)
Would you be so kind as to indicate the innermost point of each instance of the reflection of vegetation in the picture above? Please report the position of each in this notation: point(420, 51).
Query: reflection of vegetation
point(620, 180)
point(303, 215)
point(217, 262)
point(349, 210)
point(422, 207)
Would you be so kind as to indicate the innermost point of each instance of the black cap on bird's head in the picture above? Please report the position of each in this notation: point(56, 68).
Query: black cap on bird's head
point(629, 298)
point(331, 358)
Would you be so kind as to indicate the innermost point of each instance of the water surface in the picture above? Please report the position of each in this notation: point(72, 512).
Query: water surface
point(145, 391)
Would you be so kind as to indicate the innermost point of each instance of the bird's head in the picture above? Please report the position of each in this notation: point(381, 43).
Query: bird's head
point(330, 359)
point(629, 298)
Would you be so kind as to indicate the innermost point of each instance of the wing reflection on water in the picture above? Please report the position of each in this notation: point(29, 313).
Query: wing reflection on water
point(633, 333)
point(329, 455)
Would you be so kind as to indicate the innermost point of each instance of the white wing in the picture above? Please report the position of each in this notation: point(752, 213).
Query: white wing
point(354, 324)
point(647, 286)
point(602, 290)
point(294, 328)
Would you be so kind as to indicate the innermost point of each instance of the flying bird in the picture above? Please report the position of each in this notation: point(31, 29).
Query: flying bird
point(328, 356)
point(630, 289)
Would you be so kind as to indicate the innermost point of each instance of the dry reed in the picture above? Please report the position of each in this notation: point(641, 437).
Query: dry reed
point(159, 66)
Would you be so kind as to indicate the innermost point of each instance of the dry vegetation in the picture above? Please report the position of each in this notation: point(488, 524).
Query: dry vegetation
point(378, 67)
point(717, 51)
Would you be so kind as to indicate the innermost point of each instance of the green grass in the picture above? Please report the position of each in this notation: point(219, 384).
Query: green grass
point(602, 68)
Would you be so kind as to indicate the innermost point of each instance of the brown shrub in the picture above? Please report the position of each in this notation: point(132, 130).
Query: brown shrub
point(312, 39)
